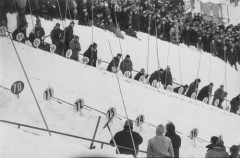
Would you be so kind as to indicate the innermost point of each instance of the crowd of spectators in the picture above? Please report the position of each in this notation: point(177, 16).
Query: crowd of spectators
point(158, 19)
point(166, 19)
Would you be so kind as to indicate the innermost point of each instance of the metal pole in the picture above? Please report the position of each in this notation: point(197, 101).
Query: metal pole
point(35, 98)
point(95, 132)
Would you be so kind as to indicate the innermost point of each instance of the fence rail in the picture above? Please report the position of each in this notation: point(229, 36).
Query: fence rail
point(69, 135)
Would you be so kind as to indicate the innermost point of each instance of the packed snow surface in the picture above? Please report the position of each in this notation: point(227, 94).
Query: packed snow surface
point(99, 89)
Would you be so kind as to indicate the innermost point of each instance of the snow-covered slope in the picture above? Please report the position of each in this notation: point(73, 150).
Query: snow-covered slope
point(72, 80)
point(138, 50)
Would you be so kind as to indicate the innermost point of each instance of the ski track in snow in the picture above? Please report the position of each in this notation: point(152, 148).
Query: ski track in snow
point(99, 89)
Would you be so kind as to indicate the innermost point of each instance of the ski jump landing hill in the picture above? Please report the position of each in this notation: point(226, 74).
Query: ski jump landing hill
point(72, 80)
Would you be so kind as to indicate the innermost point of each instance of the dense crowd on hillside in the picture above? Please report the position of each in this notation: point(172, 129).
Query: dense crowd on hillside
point(166, 19)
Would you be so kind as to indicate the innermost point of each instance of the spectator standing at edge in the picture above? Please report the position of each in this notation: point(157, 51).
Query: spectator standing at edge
point(218, 151)
point(235, 103)
point(193, 87)
point(68, 35)
point(160, 145)
point(205, 92)
point(74, 45)
point(126, 65)
point(219, 94)
point(113, 65)
point(21, 25)
point(56, 33)
point(167, 77)
point(176, 139)
point(91, 53)
point(123, 138)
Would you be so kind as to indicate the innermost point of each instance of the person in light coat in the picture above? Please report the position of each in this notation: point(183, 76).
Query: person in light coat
point(74, 45)
point(160, 146)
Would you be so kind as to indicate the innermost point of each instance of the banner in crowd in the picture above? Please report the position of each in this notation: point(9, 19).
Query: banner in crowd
point(216, 1)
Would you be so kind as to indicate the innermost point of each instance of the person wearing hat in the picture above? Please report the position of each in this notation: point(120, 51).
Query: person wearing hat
point(213, 142)
point(126, 65)
point(74, 45)
point(160, 145)
point(113, 65)
point(123, 138)
point(68, 35)
point(218, 151)
point(176, 139)
point(185, 87)
point(219, 94)
point(193, 88)
point(56, 33)
point(139, 74)
point(206, 91)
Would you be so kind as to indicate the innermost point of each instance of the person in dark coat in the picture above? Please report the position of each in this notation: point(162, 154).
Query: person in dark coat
point(126, 65)
point(91, 53)
point(56, 33)
point(167, 77)
point(219, 94)
point(213, 142)
point(185, 87)
point(235, 103)
point(193, 87)
point(68, 34)
point(113, 65)
point(234, 150)
point(205, 92)
point(37, 32)
point(186, 36)
point(218, 151)
point(139, 74)
point(60, 47)
point(123, 138)
point(176, 139)
point(156, 75)
point(74, 45)
point(21, 26)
